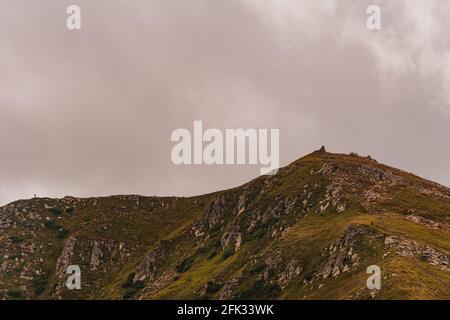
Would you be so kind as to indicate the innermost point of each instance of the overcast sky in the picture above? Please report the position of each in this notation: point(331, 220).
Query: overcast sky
point(90, 112)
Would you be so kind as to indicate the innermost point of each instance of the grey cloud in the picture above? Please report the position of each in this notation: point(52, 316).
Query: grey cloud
point(90, 112)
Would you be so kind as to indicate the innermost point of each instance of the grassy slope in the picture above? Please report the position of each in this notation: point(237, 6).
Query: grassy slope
point(143, 228)
point(316, 231)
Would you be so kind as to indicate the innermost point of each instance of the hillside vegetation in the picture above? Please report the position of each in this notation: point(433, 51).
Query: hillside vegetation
point(308, 232)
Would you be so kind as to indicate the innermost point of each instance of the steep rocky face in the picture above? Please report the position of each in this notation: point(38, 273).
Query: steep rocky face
point(308, 232)
point(341, 254)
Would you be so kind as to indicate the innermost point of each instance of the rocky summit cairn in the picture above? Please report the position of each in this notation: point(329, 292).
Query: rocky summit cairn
point(322, 149)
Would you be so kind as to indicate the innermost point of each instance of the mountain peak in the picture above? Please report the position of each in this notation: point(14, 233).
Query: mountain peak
point(308, 232)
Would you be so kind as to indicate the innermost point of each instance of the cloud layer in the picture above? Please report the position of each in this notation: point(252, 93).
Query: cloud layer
point(90, 112)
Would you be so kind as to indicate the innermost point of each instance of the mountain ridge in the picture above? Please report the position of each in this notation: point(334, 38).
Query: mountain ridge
point(308, 232)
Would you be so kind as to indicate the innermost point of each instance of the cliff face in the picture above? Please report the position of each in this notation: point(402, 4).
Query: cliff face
point(308, 232)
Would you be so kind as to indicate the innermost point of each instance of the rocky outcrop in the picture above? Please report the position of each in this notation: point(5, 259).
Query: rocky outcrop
point(148, 268)
point(65, 256)
point(374, 173)
point(333, 193)
point(426, 222)
point(341, 253)
point(293, 269)
point(410, 248)
point(230, 286)
point(242, 202)
point(96, 255)
point(232, 237)
point(214, 214)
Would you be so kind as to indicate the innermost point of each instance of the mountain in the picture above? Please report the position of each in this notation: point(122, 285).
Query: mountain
point(308, 232)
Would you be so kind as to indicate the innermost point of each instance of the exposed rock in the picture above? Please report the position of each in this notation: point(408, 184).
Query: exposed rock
point(148, 267)
point(293, 269)
point(341, 254)
point(326, 169)
point(230, 286)
point(425, 221)
point(63, 260)
point(214, 214)
point(375, 173)
point(242, 203)
point(232, 237)
point(410, 248)
point(95, 255)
